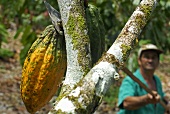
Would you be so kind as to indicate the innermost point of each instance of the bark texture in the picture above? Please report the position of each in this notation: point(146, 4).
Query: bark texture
point(128, 38)
point(77, 42)
point(85, 97)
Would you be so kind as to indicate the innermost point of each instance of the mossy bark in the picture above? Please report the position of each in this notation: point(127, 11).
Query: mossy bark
point(87, 94)
point(128, 38)
point(77, 42)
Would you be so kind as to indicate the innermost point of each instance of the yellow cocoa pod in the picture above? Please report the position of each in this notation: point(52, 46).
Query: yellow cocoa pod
point(43, 69)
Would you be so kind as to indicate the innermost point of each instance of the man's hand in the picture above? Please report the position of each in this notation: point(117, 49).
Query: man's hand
point(168, 110)
point(135, 102)
point(153, 99)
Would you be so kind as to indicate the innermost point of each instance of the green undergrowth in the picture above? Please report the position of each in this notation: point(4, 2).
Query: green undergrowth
point(5, 53)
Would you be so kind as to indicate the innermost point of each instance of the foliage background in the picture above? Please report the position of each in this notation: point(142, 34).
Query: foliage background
point(29, 18)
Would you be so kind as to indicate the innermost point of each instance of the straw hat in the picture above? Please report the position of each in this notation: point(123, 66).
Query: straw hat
point(149, 47)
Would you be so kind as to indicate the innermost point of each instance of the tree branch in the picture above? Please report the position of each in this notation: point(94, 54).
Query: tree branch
point(88, 93)
point(77, 42)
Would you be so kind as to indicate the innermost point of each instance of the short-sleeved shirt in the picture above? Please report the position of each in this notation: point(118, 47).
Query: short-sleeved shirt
point(132, 88)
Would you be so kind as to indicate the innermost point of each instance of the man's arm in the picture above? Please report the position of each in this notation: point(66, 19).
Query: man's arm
point(135, 102)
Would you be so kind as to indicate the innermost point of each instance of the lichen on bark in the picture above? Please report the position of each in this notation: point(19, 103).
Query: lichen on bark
point(77, 29)
point(128, 38)
point(77, 41)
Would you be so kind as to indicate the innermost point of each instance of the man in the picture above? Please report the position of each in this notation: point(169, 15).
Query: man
point(133, 99)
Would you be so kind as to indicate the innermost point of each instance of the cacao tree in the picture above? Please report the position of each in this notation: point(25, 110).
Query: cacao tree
point(83, 89)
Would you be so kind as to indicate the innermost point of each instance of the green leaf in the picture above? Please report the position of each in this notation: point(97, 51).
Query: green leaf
point(18, 32)
point(4, 53)
point(26, 32)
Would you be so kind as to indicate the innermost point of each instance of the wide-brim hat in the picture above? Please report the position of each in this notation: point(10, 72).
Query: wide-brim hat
point(149, 47)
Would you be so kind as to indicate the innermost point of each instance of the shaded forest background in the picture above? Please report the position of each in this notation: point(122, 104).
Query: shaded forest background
point(29, 18)
point(22, 20)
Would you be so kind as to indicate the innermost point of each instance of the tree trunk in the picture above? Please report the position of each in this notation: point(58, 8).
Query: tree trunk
point(83, 94)
point(77, 42)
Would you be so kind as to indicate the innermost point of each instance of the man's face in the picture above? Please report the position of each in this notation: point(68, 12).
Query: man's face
point(149, 60)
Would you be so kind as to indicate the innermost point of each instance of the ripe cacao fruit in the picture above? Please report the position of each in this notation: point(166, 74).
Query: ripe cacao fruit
point(43, 69)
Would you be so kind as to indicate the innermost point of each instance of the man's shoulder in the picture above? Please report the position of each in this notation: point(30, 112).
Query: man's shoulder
point(128, 79)
point(136, 74)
